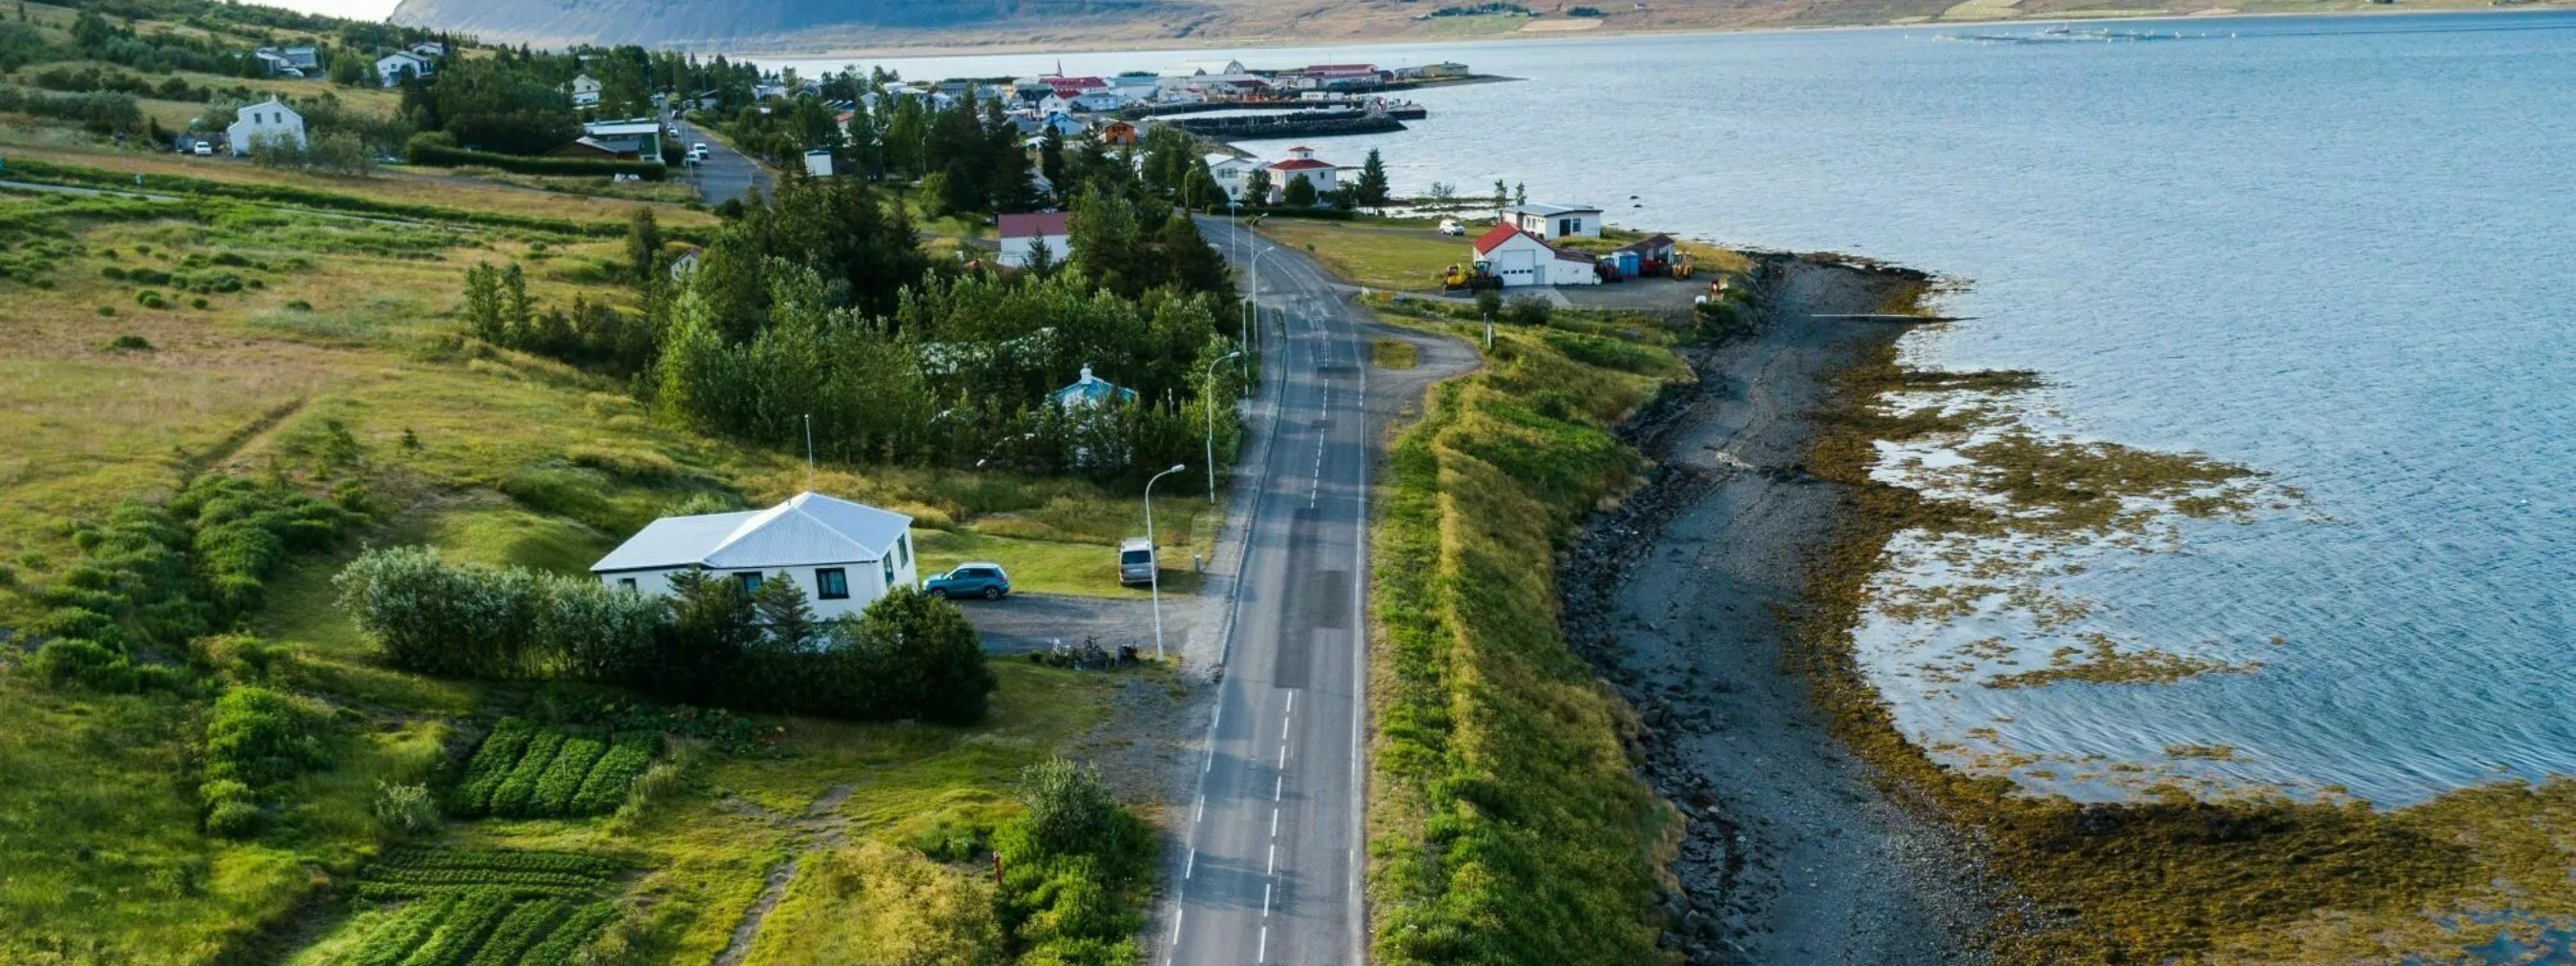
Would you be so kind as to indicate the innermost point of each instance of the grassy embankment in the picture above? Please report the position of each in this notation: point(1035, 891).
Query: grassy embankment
point(1505, 822)
point(113, 388)
point(2173, 878)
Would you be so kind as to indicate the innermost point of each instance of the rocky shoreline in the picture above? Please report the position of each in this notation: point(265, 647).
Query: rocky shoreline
point(1795, 850)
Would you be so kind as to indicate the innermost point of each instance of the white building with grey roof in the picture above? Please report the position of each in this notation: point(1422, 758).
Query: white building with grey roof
point(843, 555)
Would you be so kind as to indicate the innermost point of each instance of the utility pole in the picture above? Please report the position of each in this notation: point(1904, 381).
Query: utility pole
point(809, 452)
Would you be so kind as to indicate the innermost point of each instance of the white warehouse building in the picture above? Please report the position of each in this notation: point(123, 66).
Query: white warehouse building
point(844, 555)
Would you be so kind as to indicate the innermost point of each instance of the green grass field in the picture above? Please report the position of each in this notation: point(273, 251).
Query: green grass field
point(490, 456)
point(1392, 256)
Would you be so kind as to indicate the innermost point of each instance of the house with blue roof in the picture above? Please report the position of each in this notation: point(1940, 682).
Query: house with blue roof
point(843, 555)
point(1091, 391)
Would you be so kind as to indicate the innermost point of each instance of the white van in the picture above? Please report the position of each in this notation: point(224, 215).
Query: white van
point(1136, 563)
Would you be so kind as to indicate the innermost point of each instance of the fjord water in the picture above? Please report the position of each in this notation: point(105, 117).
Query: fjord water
point(2334, 250)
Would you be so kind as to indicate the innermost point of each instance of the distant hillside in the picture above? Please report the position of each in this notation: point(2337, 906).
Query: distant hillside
point(791, 26)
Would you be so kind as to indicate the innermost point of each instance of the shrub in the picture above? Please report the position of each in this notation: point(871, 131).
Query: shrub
point(197, 303)
point(106, 310)
point(1489, 303)
point(128, 342)
point(82, 663)
point(1070, 811)
point(112, 271)
point(429, 153)
point(1529, 310)
point(405, 809)
point(259, 737)
point(233, 820)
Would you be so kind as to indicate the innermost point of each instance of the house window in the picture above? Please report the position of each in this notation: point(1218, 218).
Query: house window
point(887, 563)
point(903, 545)
point(626, 583)
point(750, 581)
point(832, 583)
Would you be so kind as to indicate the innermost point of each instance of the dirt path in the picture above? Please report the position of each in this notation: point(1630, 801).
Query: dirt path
point(1793, 856)
point(822, 826)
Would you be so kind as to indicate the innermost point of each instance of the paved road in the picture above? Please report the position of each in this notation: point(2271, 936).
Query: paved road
point(726, 173)
point(1271, 871)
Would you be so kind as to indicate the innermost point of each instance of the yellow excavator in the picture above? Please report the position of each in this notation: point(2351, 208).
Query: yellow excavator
point(1681, 267)
point(1469, 278)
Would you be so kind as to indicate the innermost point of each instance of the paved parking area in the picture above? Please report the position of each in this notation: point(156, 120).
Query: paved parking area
point(1029, 622)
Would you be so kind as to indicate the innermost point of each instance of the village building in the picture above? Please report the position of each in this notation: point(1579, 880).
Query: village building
point(1518, 258)
point(1119, 133)
point(269, 120)
point(1231, 172)
point(393, 67)
point(1556, 221)
point(641, 137)
point(585, 91)
point(1021, 234)
point(429, 50)
point(1301, 163)
point(842, 555)
point(818, 163)
point(1092, 392)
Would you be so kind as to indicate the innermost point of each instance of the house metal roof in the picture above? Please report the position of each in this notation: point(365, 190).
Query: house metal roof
point(808, 529)
point(1647, 244)
point(1494, 238)
point(1091, 390)
point(1049, 224)
point(1547, 210)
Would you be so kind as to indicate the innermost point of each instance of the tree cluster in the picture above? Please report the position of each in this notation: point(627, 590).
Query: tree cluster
point(712, 642)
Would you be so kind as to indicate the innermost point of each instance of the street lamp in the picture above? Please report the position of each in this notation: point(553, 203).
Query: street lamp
point(1157, 550)
point(1252, 305)
point(1209, 399)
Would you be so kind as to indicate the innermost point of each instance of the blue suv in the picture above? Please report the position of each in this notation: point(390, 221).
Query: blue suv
point(982, 579)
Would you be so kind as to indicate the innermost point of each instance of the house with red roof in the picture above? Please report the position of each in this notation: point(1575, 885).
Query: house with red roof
point(1022, 234)
point(1301, 163)
point(1519, 258)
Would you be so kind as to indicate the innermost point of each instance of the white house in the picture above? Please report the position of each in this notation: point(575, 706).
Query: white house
point(585, 91)
point(1556, 221)
point(818, 163)
point(1096, 102)
point(1023, 233)
point(1519, 258)
point(843, 555)
point(266, 119)
point(1301, 162)
point(276, 63)
point(391, 67)
point(429, 50)
point(1231, 172)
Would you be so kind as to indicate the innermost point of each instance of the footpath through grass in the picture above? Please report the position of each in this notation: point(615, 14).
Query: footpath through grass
point(1505, 822)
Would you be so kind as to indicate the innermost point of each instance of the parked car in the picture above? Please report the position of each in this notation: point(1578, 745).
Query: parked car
point(1136, 563)
point(698, 151)
point(1450, 226)
point(204, 149)
point(982, 578)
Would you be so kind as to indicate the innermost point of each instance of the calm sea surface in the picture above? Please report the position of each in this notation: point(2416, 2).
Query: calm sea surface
point(2339, 251)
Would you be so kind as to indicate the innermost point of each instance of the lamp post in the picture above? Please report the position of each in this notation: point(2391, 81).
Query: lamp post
point(1252, 305)
point(1210, 401)
point(1156, 580)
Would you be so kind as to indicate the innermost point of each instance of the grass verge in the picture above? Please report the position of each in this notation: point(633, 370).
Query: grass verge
point(1505, 822)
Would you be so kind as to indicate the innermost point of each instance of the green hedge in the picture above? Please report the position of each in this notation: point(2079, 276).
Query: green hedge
point(441, 156)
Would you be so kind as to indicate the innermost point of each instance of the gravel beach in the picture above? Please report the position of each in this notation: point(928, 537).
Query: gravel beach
point(1793, 853)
